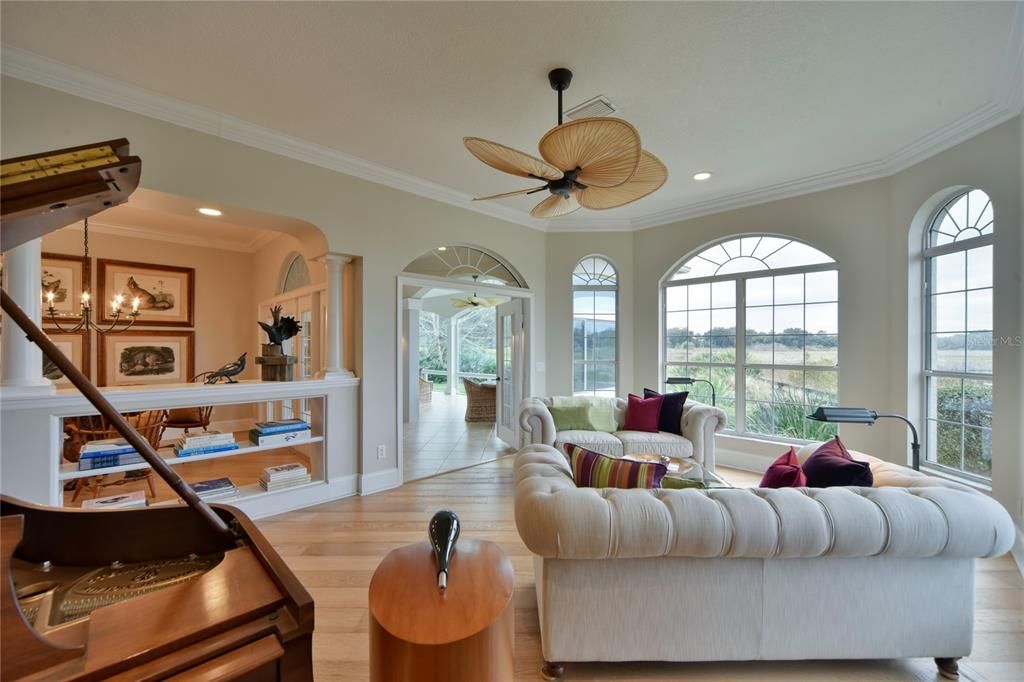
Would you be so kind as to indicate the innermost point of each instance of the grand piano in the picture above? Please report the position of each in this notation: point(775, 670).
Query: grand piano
point(190, 592)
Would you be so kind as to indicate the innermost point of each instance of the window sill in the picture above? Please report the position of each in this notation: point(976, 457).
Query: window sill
point(944, 474)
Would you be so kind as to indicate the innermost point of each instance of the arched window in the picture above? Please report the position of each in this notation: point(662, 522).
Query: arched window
point(757, 317)
point(297, 275)
point(466, 262)
point(958, 339)
point(595, 288)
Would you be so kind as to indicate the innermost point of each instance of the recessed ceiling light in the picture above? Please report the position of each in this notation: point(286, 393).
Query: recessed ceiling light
point(442, 248)
point(209, 211)
point(703, 175)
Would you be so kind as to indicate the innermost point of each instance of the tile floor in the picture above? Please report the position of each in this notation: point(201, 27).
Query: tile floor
point(442, 440)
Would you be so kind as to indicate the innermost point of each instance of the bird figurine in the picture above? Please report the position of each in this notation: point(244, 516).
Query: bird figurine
point(228, 371)
point(282, 329)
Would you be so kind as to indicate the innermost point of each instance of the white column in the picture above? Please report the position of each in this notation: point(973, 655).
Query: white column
point(335, 339)
point(21, 361)
point(411, 323)
point(453, 356)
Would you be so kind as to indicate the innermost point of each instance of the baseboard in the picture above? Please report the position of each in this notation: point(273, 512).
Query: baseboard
point(744, 461)
point(279, 502)
point(379, 481)
point(1017, 551)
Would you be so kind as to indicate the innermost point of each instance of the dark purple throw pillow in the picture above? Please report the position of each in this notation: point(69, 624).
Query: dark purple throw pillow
point(671, 416)
point(832, 465)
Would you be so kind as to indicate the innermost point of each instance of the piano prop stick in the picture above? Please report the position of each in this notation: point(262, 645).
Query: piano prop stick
point(131, 594)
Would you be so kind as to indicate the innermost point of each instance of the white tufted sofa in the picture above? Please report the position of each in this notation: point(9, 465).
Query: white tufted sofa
point(699, 424)
point(748, 574)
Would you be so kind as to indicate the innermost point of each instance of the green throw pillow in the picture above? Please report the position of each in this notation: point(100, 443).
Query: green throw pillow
point(679, 483)
point(586, 417)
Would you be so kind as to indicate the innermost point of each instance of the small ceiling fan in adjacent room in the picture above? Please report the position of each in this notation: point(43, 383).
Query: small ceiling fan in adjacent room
point(475, 301)
point(594, 163)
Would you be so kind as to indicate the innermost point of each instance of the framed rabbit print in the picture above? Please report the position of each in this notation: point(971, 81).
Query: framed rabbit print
point(146, 357)
point(165, 293)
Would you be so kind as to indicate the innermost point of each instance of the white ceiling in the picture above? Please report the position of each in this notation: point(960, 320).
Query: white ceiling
point(774, 98)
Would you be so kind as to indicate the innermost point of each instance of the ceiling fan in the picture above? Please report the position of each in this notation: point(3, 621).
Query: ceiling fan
point(595, 163)
point(475, 301)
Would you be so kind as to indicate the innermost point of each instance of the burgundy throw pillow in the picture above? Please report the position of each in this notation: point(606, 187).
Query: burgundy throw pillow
point(832, 465)
point(642, 413)
point(594, 470)
point(670, 418)
point(785, 472)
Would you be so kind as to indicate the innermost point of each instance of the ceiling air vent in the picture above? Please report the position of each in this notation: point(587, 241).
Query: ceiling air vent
point(598, 106)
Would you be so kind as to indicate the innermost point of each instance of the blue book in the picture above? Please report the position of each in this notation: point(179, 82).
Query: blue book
point(209, 449)
point(112, 461)
point(267, 428)
point(213, 486)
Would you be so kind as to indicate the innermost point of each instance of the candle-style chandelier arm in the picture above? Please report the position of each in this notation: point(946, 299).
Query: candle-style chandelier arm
point(117, 316)
point(55, 321)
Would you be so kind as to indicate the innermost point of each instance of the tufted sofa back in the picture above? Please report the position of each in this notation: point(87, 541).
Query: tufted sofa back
point(618, 405)
point(923, 517)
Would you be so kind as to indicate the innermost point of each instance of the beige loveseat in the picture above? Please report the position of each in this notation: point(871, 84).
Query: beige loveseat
point(698, 425)
point(748, 574)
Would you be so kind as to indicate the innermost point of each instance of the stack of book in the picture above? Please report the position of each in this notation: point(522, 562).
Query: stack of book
point(123, 501)
point(284, 476)
point(283, 432)
point(109, 452)
point(204, 443)
point(214, 488)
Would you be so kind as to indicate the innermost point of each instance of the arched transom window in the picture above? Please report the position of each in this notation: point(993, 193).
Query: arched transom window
point(465, 262)
point(758, 318)
point(594, 333)
point(958, 346)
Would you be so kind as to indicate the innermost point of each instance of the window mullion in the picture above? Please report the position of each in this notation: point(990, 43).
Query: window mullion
point(739, 366)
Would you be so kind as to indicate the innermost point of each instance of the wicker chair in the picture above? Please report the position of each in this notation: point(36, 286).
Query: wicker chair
point(190, 417)
point(81, 430)
point(480, 401)
point(426, 390)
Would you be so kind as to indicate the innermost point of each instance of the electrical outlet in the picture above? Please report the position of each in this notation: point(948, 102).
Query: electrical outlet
point(382, 451)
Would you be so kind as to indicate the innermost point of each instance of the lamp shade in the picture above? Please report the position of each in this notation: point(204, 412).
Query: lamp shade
point(844, 415)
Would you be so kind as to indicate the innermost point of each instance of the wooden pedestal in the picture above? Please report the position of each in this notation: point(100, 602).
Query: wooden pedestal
point(275, 365)
point(418, 633)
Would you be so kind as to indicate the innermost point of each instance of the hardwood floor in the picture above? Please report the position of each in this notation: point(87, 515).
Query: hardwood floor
point(334, 549)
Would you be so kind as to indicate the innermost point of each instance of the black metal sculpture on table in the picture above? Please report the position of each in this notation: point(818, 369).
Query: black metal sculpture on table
point(282, 329)
point(444, 533)
point(228, 371)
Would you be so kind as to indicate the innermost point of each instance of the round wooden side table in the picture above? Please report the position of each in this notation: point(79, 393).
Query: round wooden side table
point(419, 633)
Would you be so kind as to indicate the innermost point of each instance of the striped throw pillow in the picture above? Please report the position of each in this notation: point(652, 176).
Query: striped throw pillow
point(594, 470)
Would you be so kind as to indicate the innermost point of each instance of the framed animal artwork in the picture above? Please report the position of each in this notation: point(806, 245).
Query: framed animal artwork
point(135, 358)
point(166, 293)
point(75, 345)
point(66, 277)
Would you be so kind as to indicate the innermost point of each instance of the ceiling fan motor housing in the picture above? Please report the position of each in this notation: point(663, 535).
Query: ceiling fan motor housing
point(560, 79)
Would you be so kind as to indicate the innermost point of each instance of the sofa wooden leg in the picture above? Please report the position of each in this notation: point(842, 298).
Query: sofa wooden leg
point(552, 671)
point(948, 668)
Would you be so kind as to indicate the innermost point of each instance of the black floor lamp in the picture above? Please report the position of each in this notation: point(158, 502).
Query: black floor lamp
point(689, 380)
point(862, 415)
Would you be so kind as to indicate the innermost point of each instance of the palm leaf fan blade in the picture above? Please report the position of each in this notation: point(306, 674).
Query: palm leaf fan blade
point(606, 150)
point(555, 206)
point(510, 160)
point(649, 177)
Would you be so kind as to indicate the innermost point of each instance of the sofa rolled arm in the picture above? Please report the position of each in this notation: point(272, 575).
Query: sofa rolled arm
point(535, 419)
point(699, 425)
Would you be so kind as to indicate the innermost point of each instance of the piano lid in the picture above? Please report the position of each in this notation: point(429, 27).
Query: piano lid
point(40, 193)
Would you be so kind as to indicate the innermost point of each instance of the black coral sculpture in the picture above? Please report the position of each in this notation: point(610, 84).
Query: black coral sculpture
point(282, 328)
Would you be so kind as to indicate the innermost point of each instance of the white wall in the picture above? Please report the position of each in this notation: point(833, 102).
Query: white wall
point(384, 227)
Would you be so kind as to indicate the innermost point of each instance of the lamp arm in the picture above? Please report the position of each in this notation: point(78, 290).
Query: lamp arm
point(915, 444)
point(714, 401)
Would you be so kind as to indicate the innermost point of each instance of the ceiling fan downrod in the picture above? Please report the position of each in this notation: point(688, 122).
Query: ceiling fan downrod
point(560, 79)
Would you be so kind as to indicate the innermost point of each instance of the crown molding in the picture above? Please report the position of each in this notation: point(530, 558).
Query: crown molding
point(1008, 102)
point(259, 240)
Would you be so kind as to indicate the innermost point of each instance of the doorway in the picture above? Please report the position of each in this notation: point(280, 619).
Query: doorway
point(463, 358)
